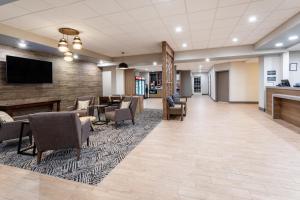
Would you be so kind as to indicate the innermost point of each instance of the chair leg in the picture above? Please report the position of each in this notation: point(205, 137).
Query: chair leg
point(181, 116)
point(78, 154)
point(88, 141)
point(133, 122)
point(39, 157)
point(30, 139)
point(116, 124)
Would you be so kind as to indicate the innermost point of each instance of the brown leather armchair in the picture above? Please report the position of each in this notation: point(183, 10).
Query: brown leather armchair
point(59, 130)
point(121, 114)
point(82, 113)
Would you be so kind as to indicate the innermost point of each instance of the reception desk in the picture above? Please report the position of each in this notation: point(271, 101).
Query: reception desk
point(284, 103)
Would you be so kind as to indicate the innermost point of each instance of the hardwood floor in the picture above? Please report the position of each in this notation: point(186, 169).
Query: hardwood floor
point(220, 151)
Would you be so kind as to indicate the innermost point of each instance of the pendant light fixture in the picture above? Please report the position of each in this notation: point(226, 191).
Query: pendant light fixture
point(68, 56)
point(63, 45)
point(123, 65)
point(77, 44)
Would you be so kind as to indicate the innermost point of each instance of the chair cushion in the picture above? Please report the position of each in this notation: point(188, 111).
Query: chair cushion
point(170, 101)
point(125, 104)
point(4, 117)
point(83, 105)
point(176, 97)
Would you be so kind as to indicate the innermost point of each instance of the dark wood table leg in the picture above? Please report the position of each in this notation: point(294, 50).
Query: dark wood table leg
point(23, 151)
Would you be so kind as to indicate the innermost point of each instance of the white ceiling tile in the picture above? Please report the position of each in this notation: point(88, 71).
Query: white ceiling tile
point(28, 22)
point(33, 5)
point(131, 28)
point(196, 5)
point(262, 6)
point(200, 36)
point(68, 13)
point(153, 25)
point(169, 8)
point(289, 4)
point(8, 11)
point(112, 30)
point(226, 23)
point(145, 13)
point(104, 6)
point(130, 4)
point(224, 3)
point(199, 17)
point(97, 22)
point(200, 45)
point(57, 3)
point(232, 11)
point(120, 18)
point(207, 25)
point(177, 20)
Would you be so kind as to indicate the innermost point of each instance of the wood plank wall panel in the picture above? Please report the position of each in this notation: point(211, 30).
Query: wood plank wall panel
point(290, 111)
point(129, 82)
point(168, 71)
point(271, 91)
point(70, 80)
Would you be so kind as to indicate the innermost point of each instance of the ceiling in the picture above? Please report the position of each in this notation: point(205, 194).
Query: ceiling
point(195, 67)
point(138, 26)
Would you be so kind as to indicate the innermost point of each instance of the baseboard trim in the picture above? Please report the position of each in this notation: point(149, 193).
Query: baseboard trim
point(262, 109)
point(204, 94)
point(212, 99)
point(244, 102)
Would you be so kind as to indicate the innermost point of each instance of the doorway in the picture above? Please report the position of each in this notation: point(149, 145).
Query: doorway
point(222, 83)
point(197, 84)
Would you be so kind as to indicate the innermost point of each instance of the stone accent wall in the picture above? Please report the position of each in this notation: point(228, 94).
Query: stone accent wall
point(70, 80)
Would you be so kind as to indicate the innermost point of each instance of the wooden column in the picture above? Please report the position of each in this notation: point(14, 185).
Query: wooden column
point(129, 82)
point(168, 80)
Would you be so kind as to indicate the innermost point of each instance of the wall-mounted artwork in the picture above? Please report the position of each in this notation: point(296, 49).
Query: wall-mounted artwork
point(271, 79)
point(271, 72)
point(293, 66)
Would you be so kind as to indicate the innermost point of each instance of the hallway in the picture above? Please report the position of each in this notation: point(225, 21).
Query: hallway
point(220, 151)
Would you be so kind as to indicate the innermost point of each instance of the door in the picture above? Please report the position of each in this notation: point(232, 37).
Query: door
point(222, 83)
point(197, 84)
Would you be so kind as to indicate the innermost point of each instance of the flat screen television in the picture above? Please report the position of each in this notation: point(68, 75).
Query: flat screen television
point(24, 70)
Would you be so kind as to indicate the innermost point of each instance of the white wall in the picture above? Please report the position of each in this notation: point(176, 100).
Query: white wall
point(243, 81)
point(294, 76)
point(273, 62)
point(120, 84)
point(116, 82)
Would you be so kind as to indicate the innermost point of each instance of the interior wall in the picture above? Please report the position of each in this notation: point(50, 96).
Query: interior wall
point(294, 76)
point(120, 82)
point(116, 83)
point(243, 81)
point(106, 77)
point(70, 79)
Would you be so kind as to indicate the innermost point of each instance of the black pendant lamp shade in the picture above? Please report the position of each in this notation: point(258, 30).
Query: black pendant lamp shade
point(123, 65)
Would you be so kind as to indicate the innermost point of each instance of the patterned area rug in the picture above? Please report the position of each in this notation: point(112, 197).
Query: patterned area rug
point(108, 146)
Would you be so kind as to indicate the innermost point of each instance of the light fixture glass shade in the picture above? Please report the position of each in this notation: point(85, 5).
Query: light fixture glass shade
point(68, 56)
point(77, 44)
point(63, 45)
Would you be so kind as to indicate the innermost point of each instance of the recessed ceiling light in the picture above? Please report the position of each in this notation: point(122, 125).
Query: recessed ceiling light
point(178, 29)
point(207, 60)
point(184, 45)
point(279, 44)
point(235, 39)
point(101, 62)
point(22, 44)
point(154, 63)
point(75, 56)
point(252, 19)
point(293, 37)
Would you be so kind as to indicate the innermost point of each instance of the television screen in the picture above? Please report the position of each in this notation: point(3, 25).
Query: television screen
point(24, 70)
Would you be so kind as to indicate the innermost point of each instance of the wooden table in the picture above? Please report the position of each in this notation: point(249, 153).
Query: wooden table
point(13, 106)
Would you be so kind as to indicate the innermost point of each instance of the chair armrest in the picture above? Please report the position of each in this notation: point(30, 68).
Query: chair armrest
point(70, 108)
point(90, 110)
point(19, 118)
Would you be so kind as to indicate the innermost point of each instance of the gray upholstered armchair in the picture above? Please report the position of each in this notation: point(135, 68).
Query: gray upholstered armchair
point(83, 112)
point(11, 130)
point(121, 114)
point(59, 130)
